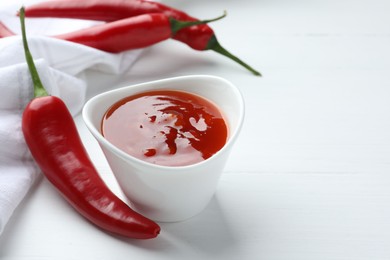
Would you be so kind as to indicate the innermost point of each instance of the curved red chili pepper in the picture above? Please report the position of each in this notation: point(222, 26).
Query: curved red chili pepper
point(55, 144)
point(130, 33)
point(200, 37)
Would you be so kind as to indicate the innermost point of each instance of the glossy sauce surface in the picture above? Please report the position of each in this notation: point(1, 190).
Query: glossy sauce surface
point(166, 127)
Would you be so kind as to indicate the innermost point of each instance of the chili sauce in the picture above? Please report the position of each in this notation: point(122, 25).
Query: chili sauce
point(166, 127)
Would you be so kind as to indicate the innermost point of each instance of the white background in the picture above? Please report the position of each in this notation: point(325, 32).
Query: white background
point(309, 177)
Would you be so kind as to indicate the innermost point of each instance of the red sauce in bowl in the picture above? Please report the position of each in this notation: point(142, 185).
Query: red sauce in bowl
point(166, 127)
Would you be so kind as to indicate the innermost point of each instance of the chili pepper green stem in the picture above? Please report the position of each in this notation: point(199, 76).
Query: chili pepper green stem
point(214, 45)
point(39, 90)
point(177, 25)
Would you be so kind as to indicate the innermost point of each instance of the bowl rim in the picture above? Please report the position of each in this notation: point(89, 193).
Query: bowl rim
point(86, 112)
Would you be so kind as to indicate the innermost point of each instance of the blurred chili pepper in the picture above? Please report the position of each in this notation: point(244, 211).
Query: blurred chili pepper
point(54, 142)
point(200, 37)
point(100, 10)
point(5, 31)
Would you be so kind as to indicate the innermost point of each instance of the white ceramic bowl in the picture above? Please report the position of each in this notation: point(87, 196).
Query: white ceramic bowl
point(165, 193)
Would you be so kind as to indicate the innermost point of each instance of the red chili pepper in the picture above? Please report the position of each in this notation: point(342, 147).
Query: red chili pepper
point(55, 144)
point(200, 37)
point(130, 33)
point(106, 10)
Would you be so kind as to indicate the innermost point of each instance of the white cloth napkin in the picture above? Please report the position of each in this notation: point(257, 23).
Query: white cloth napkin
point(61, 66)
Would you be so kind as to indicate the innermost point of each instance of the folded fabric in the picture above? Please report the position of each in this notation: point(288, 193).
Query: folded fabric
point(61, 66)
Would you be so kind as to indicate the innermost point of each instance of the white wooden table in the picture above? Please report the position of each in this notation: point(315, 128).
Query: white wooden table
point(310, 174)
